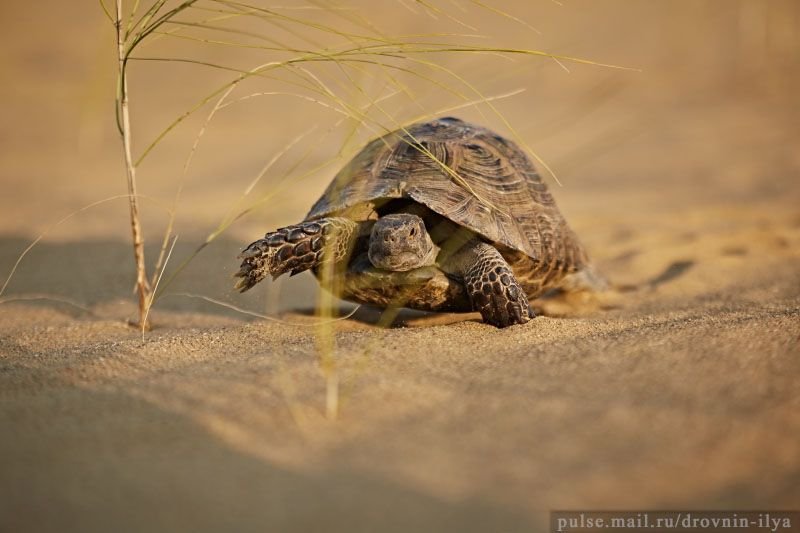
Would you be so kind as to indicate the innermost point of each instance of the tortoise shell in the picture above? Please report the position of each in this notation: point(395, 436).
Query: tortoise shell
point(469, 175)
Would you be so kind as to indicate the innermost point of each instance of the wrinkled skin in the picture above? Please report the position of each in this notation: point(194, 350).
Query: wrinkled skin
point(400, 242)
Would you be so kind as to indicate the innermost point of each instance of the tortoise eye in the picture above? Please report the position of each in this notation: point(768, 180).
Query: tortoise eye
point(413, 232)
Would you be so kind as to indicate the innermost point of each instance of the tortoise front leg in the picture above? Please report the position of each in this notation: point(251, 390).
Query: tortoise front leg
point(491, 285)
point(295, 249)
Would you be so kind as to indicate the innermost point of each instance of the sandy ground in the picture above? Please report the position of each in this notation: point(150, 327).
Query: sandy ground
point(682, 391)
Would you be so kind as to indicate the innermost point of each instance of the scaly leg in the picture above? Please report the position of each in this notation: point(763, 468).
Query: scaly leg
point(491, 285)
point(295, 249)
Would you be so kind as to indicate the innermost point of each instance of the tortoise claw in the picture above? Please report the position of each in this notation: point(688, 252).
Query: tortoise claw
point(251, 272)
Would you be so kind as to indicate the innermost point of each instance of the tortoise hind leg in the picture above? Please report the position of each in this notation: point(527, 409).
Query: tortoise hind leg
point(491, 285)
point(295, 249)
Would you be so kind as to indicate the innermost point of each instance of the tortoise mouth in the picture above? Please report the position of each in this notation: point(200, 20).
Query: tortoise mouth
point(397, 262)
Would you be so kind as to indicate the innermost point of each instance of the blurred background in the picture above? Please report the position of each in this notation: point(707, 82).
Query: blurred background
point(706, 117)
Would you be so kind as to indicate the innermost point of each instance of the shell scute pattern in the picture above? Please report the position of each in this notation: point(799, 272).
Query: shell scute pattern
point(497, 192)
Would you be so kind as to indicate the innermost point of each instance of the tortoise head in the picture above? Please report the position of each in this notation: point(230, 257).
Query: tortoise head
point(400, 242)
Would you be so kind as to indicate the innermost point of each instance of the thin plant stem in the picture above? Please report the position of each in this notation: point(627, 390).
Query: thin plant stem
point(142, 286)
point(155, 286)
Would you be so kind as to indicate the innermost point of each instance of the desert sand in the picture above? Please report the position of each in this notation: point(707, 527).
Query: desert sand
point(680, 390)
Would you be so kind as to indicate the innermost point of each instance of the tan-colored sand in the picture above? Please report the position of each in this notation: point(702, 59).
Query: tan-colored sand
point(680, 391)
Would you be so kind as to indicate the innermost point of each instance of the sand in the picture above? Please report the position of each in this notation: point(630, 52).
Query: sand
point(679, 390)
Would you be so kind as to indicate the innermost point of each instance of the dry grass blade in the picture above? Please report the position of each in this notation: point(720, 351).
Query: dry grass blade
point(378, 50)
point(412, 142)
point(147, 17)
point(499, 115)
point(47, 298)
point(433, 9)
point(243, 311)
point(277, 45)
point(173, 211)
point(43, 234)
point(155, 286)
point(147, 29)
point(506, 15)
point(273, 15)
point(134, 9)
point(347, 15)
point(106, 11)
point(443, 165)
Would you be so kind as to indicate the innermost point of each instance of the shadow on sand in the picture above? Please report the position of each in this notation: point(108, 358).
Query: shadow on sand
point(94, 273)
point(111, 461)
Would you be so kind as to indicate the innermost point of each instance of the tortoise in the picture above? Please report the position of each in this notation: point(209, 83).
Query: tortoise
point(438, 216)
